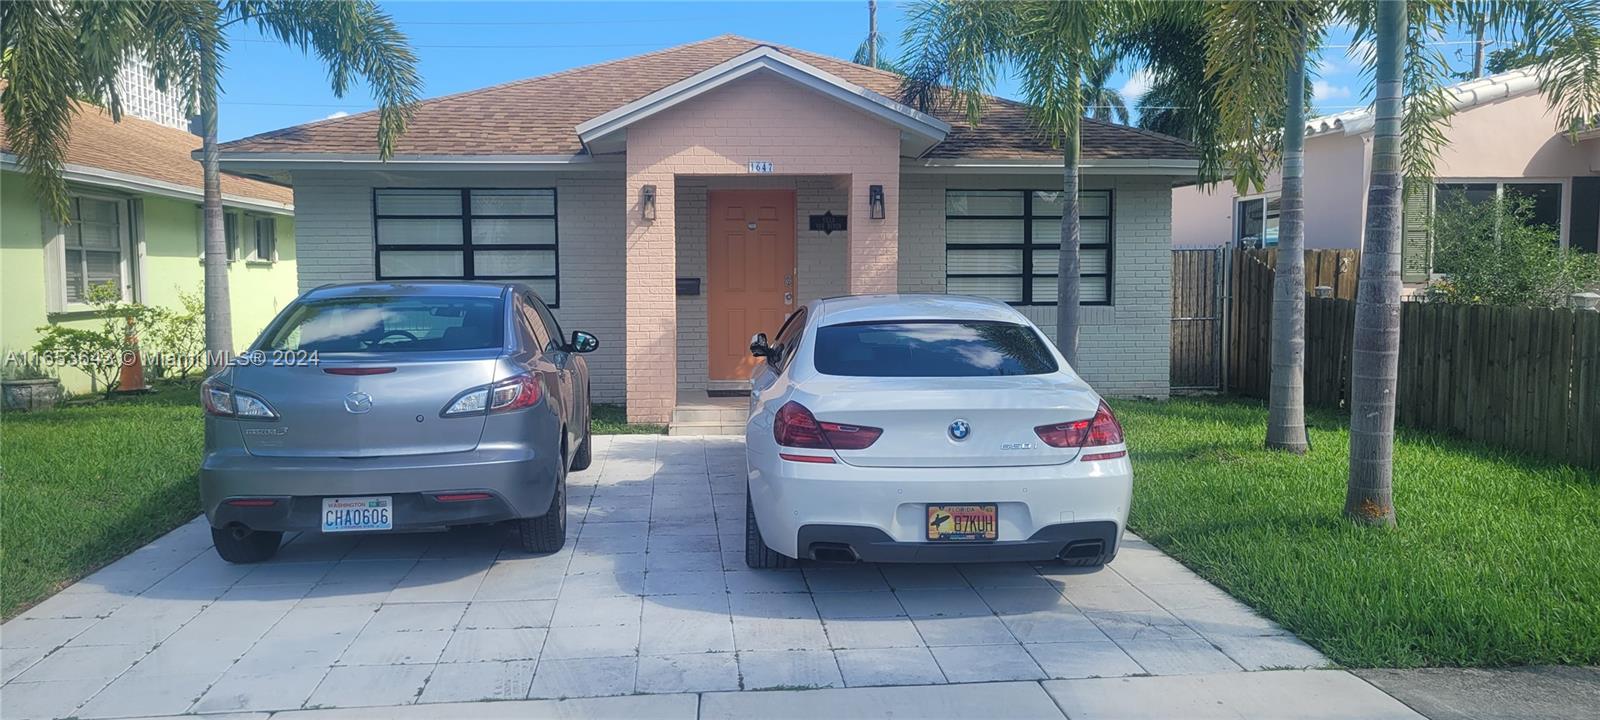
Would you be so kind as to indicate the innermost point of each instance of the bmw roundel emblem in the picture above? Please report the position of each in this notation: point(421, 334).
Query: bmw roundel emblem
point(959, 430)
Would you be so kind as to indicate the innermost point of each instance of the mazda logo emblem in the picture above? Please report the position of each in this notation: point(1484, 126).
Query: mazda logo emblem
point(358, 402)
point(959, 430)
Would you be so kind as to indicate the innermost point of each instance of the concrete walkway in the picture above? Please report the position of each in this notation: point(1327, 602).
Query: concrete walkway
point(649, 612)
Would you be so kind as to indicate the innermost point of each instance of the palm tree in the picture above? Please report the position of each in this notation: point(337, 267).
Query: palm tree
point(870, 53)
point(57, 53)
point(957, 49)
point(1369, 494)
point(1103, 103)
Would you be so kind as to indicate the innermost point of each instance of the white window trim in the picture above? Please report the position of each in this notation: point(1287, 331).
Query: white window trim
point(1500, 183)
point(132, 255)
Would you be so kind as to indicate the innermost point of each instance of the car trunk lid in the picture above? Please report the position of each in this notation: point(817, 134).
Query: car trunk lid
point(367, 404)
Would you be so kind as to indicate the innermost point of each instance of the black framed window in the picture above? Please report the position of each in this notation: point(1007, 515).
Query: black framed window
point(1005, 244)
point(468, 233)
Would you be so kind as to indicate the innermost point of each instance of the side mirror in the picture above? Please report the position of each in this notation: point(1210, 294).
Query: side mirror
point(759, 347)
point(583, 342)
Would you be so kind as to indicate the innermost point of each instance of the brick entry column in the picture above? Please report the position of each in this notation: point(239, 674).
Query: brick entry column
point(651, 305)
point(873, 262)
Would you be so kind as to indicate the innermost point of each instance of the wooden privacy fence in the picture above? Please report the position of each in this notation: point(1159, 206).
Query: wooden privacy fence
point(1520, 378)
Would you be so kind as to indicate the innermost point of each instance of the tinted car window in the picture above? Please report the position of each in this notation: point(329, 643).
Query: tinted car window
point(536, 326)
point(788, 339)
point(931, 349)
point(557, 339)
point(389, 324)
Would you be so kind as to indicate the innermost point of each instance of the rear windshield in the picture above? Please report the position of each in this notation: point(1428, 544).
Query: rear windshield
point(931, 349)
point(389, 324)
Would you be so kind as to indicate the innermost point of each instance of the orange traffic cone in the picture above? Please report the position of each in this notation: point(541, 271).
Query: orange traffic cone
point(131, 378)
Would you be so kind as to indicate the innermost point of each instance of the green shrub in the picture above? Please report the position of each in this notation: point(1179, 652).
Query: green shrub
point(1491, 253)
point(98, 353)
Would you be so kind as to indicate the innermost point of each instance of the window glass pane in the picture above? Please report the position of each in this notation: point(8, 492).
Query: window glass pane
point(420, 263)
point(1249, 220)
point(419, 232)
point(545, 287)
point(74, 271)
point(266, 238)
point(517, 232)
point(104, 267)
point(92, 210)
point(97, 235)
point(1047, 203)
point(983, 202)
point(968, 262)
point(931, 349)
point(983, 231)
point(1006, 289)
point(1090, 290)
point(382, 324)
point(1544, 198)
point(1090, 232)
point(419, 202)
point(1090, 260)
point(513, 263)
point(1464, 192)
point(513, 202)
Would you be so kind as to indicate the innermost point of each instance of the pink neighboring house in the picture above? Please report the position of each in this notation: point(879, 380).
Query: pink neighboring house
point(677, 202)
point(1502, 138)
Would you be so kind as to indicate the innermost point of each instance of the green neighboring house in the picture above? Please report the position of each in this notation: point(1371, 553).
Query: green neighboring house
point(136, 221)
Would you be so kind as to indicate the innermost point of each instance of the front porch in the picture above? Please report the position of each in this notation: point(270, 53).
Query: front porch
point(701, 413)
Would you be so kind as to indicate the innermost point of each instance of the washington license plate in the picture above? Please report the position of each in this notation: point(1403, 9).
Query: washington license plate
point(971, 523)
point(357, 514)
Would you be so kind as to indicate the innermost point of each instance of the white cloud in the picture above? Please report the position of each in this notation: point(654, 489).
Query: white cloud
point(337, 115)
point(1137, 85)
point(1322, 91)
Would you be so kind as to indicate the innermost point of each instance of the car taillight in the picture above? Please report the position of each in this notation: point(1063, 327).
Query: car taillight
point(1100, 430)
point(796, 427)
point(224, 401)
point(513, 393)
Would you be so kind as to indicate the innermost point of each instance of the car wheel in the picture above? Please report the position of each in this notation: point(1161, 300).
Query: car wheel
point(756, 553)
point(242, 545)
point(584, 456)
point(548, 532)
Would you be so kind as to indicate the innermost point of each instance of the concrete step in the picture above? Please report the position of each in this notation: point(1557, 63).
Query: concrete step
point(706, 428)
point(717, 414)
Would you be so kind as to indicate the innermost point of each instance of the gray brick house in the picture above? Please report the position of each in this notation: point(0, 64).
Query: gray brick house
point(673, 203)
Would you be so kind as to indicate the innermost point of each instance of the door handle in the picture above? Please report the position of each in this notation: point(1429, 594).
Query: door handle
point(788, 298)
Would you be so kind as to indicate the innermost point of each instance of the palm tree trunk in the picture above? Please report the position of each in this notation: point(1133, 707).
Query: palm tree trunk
point(1067, 264)
point(219, 314)
point(1369, 497)
point(1286, 414)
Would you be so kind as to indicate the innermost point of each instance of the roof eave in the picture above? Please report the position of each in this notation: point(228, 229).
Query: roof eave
point(920, 131)
point(1171, 167)
point(101, 177)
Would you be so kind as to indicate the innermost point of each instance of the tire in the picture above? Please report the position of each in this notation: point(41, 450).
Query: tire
point(584, 455)
point(548, 532)
point(243, 545)
point(756, 553)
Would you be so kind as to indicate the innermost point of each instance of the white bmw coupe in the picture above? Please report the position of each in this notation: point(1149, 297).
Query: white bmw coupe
point(927, 428)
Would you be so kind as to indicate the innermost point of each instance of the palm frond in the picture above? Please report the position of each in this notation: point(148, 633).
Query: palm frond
point(354, 39)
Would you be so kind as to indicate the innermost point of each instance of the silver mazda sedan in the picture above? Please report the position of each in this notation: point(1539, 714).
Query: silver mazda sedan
point(383, 407)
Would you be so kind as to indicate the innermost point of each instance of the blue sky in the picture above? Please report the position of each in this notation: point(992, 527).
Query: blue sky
point(468, 45)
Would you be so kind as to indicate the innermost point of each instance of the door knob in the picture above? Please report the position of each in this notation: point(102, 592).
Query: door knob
point(788, 298)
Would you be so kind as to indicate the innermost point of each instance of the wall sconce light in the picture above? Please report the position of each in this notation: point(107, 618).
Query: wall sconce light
point(875, 201)
point(647, 202)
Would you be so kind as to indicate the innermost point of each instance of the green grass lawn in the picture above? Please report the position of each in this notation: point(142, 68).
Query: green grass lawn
point(1496, 560)
point(86, 484)
point(613, 420)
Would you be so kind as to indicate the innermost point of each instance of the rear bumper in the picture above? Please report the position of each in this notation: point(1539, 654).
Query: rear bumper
point(520, 481)
point(1042, 509)
point(1086, 539)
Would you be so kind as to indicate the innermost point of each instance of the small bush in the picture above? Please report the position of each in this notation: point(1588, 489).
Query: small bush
point(99, 353)
point(1491, 253)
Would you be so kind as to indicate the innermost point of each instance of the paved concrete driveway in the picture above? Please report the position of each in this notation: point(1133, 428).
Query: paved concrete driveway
point(650, 596)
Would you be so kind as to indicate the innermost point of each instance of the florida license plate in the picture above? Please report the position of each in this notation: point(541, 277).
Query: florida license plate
point(959, 523)
point(357, 514)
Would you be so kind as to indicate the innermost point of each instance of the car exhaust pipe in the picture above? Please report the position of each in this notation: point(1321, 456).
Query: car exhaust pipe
point(1083, 550)
point(834, 553)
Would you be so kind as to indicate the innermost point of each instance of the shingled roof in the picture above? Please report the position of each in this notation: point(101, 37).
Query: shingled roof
point(152, 151)
point(537, 116)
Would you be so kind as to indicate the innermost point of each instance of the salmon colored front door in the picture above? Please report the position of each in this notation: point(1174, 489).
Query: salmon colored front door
point(749, 274)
